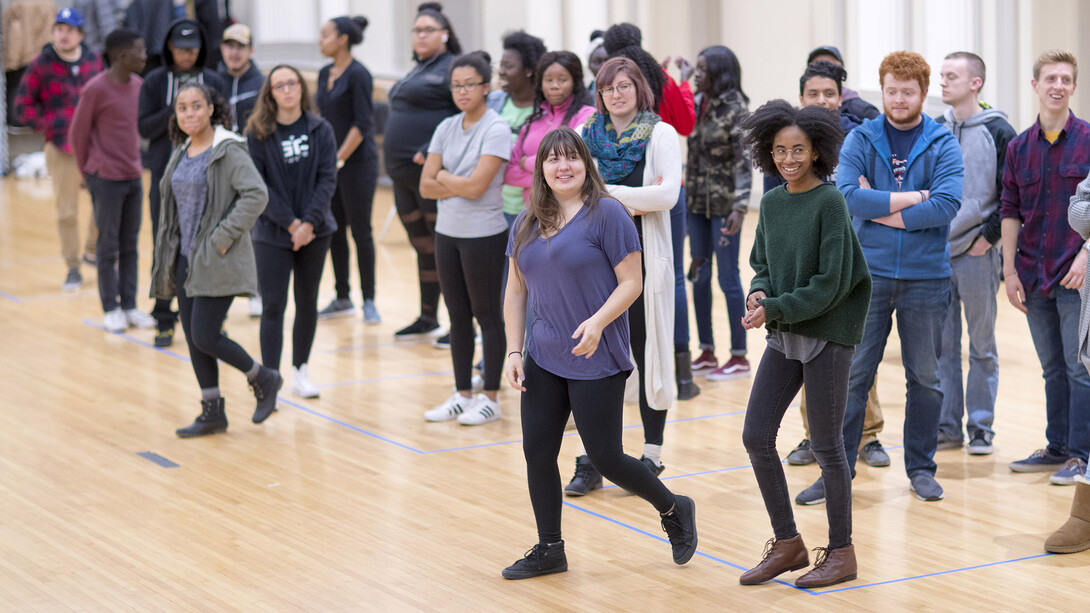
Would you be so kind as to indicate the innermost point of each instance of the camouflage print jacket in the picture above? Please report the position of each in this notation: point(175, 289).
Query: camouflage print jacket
point(718, 177)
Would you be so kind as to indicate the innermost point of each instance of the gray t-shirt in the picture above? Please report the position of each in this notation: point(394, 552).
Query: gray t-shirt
point(795, 346)
point(461, 150)
point(190, 186)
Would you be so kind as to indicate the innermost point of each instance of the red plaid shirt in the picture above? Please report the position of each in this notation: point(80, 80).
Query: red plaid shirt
point(1039, 179)
point(49, 91)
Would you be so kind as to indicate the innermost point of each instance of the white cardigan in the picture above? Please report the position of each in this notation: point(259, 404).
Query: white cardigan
point(663, 159)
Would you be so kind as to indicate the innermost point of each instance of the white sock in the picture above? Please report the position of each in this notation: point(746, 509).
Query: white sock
point(654, 452)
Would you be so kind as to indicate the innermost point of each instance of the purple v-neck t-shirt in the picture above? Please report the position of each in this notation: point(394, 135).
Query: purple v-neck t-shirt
point(568, 278)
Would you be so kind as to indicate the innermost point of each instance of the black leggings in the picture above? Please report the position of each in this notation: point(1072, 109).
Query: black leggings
point(202, 321)
point(161, 311)
point(471, 275)
point(654, 422)
point(274, 270)
point(598, 409)
point(418, 214)
point(352, 204)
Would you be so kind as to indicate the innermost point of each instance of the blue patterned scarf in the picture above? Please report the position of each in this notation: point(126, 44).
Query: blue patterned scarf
point(618, 154)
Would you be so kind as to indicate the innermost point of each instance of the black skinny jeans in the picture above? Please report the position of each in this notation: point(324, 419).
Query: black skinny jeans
point(418, 215)
point(471, 275)
point(202, 321)
point(352, 204)
point(598, 409)
point(118, 209)
point(774, 387)
point(275, 266)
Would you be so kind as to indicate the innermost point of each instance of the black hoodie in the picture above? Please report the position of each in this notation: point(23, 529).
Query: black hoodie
point(157, 96)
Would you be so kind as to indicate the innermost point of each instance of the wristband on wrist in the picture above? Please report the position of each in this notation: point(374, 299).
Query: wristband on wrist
point(514, 352)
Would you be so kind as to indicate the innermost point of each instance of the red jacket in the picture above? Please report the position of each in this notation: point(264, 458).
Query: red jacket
point(677, 106)
point(49, 91)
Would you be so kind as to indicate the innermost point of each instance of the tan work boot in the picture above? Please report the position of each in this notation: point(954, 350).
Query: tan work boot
point(1074, 535)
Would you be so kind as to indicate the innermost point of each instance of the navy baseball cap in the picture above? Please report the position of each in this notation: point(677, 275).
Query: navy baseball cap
point(826, 50)
point(186, 34)
point(70, 17)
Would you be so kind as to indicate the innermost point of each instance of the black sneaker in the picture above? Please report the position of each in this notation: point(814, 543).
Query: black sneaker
point(980, 443)
point(265, 386)
point(340, 307)
point(212, 420)
point(418, 329)
point(164, 338)
point(443, 342)
point(873, 454)
point(680, 525)
point(586, 479)
point(802, 455)
point(72, 281)
point(656, 469)
point(542, 559)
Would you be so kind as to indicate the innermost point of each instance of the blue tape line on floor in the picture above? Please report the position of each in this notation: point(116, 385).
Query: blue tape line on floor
point(7, 296)
point(158, 459)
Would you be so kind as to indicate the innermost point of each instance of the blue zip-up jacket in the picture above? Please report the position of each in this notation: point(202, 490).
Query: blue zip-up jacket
point(920, 251)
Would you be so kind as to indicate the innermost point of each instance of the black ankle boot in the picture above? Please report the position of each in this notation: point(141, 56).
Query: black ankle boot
point(586, 479)
point(265, 386)
point(683, 369)
point(212, 420)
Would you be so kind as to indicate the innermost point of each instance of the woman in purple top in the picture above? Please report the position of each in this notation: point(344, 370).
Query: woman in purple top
point(575, 259)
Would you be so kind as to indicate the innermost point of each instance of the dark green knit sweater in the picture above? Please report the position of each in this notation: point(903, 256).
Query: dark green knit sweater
point(808, 262)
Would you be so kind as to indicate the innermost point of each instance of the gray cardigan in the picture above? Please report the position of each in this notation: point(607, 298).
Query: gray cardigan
point(236, 198)
point(1078, 215)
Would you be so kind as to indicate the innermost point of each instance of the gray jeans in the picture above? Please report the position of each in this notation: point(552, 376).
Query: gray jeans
point(973, 286)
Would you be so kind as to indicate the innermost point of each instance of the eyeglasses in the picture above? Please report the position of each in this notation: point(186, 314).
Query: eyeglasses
point(425, 31)
point(798, 153)
point(464, 87)
point(622, 89)
point(286, 86)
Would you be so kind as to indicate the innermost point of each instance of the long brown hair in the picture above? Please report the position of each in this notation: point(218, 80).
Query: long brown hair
point(544, 209)
point(262, 121)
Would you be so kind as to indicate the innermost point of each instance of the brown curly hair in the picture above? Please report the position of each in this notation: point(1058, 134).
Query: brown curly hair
point(905, 65)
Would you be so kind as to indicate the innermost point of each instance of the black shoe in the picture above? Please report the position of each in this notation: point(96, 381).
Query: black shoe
point(265, 386)
point(212, 420)
point(586, 479)
point(443, 342)
point(656, 469)
point(680, 525)
point(418, 329)
point(542, 559)
point(340, 307)
point(164, 338)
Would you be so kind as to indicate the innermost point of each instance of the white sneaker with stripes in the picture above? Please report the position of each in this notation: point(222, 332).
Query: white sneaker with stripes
point(481, 411)
point(452, 408)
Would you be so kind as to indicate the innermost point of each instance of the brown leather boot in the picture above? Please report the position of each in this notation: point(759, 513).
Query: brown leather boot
point(779, 557)
point(833, 566)
point(1074, 535)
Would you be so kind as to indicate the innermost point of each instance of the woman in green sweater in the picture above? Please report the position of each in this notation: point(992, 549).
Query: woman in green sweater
point(811, 290)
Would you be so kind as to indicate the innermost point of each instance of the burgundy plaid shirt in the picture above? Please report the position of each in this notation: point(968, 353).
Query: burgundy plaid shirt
point(1039, 179)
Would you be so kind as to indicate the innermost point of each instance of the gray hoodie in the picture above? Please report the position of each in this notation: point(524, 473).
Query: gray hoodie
point(983, 138)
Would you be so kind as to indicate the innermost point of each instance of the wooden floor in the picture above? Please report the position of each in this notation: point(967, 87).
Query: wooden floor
point(354, 502)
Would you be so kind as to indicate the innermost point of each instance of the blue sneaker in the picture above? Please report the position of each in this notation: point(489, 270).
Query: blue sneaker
point(1040, 461)
point(1066, 475)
